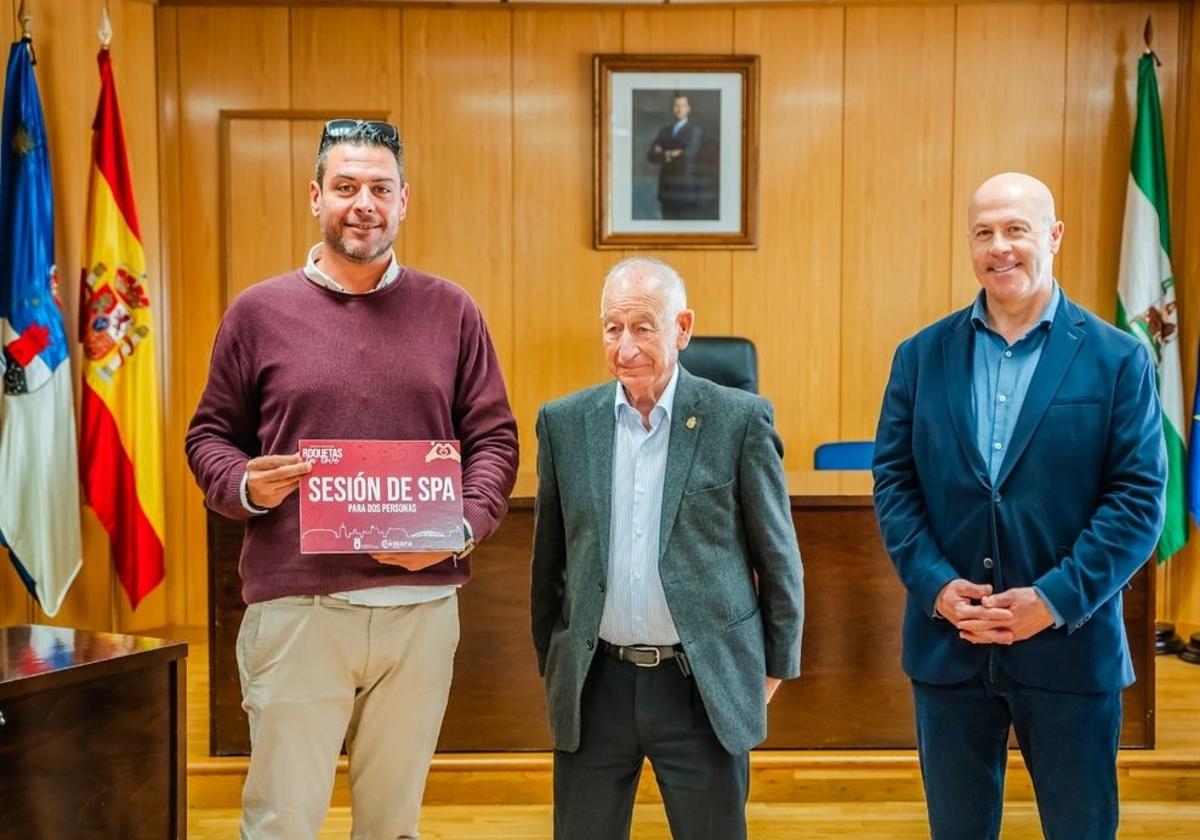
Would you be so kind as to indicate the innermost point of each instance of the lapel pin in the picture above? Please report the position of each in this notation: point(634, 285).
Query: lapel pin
point(691, 422)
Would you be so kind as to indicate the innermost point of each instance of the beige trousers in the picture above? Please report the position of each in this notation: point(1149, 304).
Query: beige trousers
point(317, 670)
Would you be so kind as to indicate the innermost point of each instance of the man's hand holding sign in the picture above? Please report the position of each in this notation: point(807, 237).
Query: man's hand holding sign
point(399, 501)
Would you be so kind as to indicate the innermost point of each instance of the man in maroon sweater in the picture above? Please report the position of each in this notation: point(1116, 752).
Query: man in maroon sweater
point(354, 647)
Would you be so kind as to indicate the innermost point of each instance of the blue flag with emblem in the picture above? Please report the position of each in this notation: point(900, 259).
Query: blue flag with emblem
point(39, 469)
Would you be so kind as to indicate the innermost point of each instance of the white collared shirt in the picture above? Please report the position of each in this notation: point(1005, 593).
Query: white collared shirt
point(312, 270)
point(635, 606)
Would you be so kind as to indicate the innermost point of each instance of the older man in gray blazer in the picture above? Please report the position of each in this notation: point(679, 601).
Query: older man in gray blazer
point(667, 590)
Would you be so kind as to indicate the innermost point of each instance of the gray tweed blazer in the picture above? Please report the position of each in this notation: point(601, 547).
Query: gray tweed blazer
point(728, 557)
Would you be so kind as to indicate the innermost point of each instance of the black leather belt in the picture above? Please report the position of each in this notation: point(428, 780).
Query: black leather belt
point(643, 656)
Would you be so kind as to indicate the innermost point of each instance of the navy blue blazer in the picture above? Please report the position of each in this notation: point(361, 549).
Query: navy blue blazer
point(1075, 510)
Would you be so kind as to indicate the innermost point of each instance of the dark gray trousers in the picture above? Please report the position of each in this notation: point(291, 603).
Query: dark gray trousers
point(631, 713)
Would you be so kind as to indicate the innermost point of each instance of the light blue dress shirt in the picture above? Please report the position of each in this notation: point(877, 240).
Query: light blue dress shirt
point(1000, 380)
point(635, 607)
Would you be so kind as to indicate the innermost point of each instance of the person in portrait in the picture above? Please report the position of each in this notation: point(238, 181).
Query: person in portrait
point(1020, 475)
point(676, 148)
point(667, 595)
point(347, 647)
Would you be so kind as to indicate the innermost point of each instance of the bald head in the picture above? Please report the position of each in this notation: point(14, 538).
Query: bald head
point(1014, 236)
point(654, 276)
point(1008, 187)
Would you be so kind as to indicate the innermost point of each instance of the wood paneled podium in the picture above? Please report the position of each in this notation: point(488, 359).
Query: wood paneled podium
point(91, 735)
point(851, 695)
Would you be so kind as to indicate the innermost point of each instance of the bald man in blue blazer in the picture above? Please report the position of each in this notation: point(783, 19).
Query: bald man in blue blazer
point(1019, 484)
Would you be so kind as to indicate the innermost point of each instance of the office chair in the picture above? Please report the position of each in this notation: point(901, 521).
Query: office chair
point(844, 455)
point(724, 360)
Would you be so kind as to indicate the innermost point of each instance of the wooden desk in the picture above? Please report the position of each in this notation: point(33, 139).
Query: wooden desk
point(852, 693)
point(92, 738)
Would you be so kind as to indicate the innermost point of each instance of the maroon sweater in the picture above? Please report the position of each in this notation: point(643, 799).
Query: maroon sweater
point(294, 360)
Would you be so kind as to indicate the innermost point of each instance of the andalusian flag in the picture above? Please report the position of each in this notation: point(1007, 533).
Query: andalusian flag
point(39, 488)
point(121, 435)
point(1146, 291)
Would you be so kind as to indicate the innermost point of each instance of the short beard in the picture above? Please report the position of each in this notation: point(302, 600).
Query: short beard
point(336, 242)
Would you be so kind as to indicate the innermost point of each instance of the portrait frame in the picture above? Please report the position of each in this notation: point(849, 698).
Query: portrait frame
point(675, 163)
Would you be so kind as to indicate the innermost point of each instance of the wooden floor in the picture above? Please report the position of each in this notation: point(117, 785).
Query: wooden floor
point(767, 821)
point(795, 795)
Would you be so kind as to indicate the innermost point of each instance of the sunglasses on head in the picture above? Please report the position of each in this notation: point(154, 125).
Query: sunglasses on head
point(384, 132)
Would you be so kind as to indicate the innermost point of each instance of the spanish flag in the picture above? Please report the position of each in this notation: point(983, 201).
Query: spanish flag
point(121, 434)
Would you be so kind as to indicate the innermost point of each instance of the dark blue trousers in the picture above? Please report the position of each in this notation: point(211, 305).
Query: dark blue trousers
point(1069, 742)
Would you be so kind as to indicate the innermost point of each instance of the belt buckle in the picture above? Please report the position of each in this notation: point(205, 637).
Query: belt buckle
point(648, 649)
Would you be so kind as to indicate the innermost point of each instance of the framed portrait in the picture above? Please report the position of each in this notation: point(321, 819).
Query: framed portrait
point(676, 151)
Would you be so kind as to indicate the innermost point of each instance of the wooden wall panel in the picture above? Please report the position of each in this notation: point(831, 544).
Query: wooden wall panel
point(897, 194)
point(557, 273)
point(347, 59)
point(457, 121)
point(16, 606)
point(229, 58)
point(1103, 46)
point(707, 274)
point(174, 403)
point(305, 138)
point(256, 172)
point(877, 124)
point(1008, 108)
point(786, 295)
point(1182, 573)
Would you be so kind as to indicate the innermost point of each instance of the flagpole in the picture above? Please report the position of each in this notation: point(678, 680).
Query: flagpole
point(105, 33)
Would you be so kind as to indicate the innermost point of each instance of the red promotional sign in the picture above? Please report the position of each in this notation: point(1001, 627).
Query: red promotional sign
point(381, 495)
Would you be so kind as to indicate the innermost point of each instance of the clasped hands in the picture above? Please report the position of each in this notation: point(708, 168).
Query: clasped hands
point(986, 619)
point(272, 478)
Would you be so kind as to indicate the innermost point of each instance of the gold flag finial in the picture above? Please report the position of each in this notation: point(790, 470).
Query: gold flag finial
point(1148, 38)
point(105, 31)
point(25, 18)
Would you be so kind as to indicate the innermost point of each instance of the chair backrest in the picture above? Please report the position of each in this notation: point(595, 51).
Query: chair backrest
point(844, 455)
point(724, 360)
